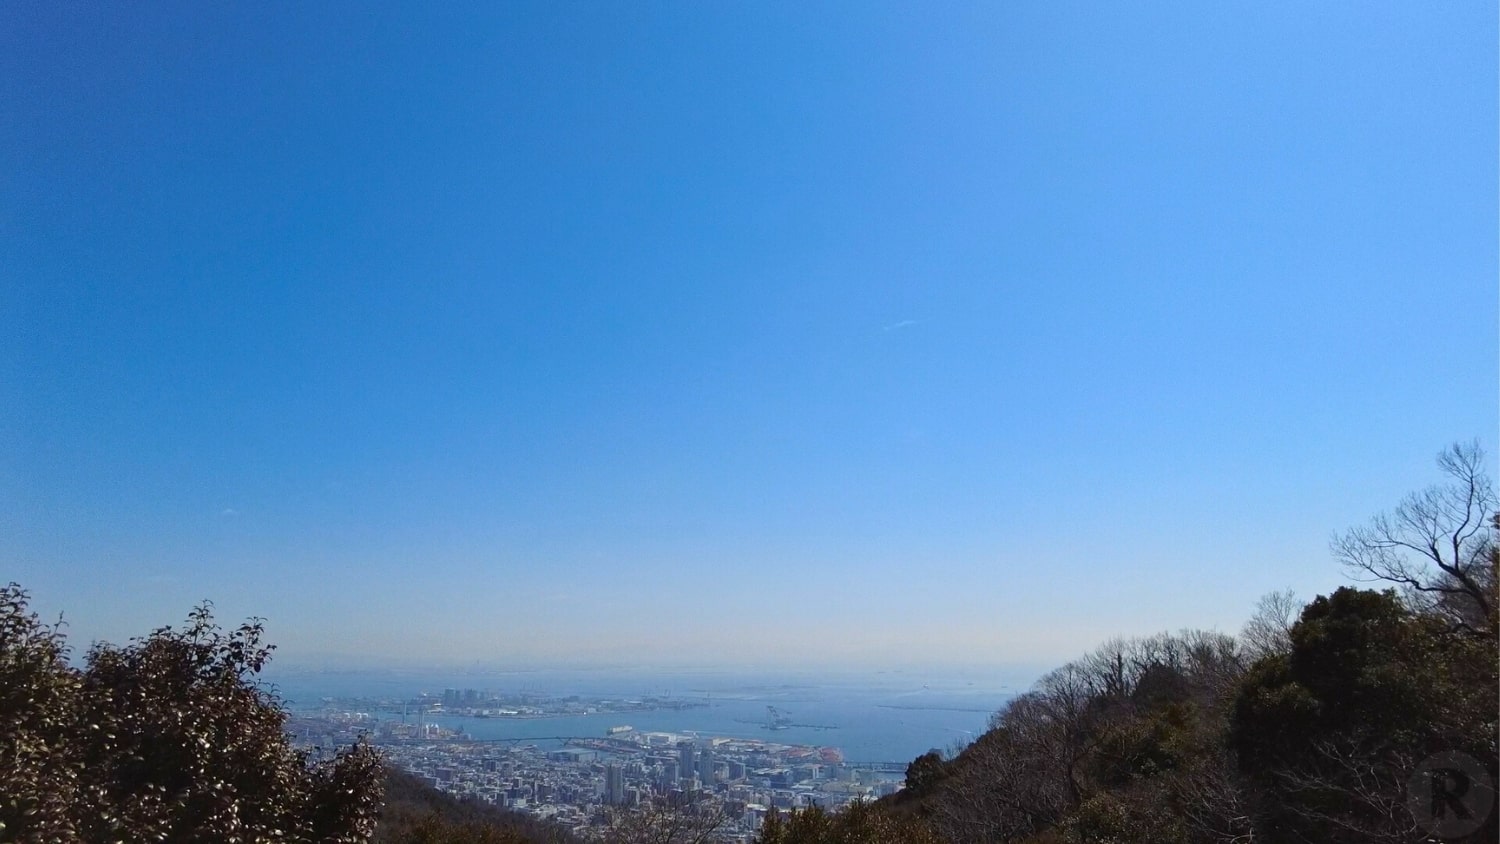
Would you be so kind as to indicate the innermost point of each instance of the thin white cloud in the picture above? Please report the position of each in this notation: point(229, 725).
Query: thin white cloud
point(905, 323)
point(229, 511)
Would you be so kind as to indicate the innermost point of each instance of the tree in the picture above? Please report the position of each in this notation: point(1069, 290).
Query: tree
point(925, 772)
point(1334, 729)
point(659, 822)
point(167, 738)
point(858, 823)
point(1102, 745)
point(38, 713)
point(1438, 545)
point(1269, 630)
point(415, 813)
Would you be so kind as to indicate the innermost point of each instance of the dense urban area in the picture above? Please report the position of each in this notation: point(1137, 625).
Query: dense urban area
point(582, 783)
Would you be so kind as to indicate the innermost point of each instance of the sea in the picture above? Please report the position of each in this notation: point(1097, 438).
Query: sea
point(878, 717)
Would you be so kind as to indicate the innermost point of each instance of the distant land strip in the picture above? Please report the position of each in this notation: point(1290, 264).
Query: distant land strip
point(935, 708)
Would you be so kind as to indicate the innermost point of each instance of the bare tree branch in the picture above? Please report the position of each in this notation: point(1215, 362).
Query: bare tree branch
point(1269, 630)
point(657, 822)
point(1438, 545)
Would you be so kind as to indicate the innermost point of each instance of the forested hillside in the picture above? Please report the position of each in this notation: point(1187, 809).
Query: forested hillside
point(415, 813)
point(1321, 723)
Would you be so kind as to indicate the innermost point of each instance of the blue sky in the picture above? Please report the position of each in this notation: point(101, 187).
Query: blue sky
point(730, 332)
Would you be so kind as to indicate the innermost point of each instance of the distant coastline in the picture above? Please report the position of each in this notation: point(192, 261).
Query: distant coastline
point(934, 708)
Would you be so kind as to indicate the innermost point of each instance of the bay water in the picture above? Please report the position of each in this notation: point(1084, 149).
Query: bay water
point(873, 717)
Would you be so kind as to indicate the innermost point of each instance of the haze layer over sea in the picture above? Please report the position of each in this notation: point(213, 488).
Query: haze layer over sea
point(886, 716)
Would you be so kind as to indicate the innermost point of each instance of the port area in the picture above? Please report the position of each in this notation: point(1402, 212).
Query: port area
point(471, 703)
point(777, 719)
point(577, 780)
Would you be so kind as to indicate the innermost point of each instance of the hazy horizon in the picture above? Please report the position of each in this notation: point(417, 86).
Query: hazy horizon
point(765, 335)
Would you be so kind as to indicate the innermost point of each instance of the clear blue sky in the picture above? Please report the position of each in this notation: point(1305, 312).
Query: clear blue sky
point(730, 331)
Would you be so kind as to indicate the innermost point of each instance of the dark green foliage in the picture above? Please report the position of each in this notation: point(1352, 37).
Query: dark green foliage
point(1332, 731)
point(165, 739)
point(38, 721)
point(1159, 686)
point(417, 814)
point(1358, 668)
point(925, 772)
point(1123, 818)
point(1152, 742)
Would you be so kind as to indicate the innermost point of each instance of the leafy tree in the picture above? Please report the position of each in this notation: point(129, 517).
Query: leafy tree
point(1333, 730)
point(168, 738)
point(925, 772)
point(38, 718)
point(1124, 818)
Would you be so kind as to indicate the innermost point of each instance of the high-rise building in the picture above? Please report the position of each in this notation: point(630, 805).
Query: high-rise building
point(706, 767)
point(614, 785)
point(685, 761)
